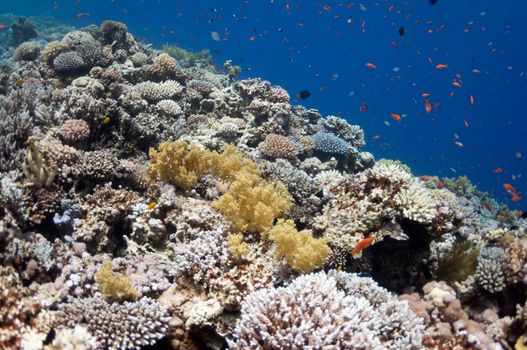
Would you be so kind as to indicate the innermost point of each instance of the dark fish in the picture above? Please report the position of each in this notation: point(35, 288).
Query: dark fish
point(302, 95)
point(363, 108)
point(401, 31)
point(432, 2)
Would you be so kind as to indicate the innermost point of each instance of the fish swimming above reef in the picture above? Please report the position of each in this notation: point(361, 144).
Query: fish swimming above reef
point(401, 31)
point(302, 95)
point(432, 2)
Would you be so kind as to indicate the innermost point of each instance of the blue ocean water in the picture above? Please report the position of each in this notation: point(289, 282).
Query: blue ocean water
point(323, 47)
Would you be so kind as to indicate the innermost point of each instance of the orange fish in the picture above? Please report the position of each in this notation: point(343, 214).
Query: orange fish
point(371, 66)
point(395, 117)
point(509, 187)
point(441, 66)
point(519, 214)
point(424, 178)
point(440, 184)
point(363, 244)
point(425, 94)
point(471, 99)
point(456, 84)
point(428, 107)
point(288, 8)
point(516, 197)
point(476, 71)
point(497, 170)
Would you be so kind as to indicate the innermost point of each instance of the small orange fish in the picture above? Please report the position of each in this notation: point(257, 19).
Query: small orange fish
point(425, 94)
point(519, 214)
point(456, 84)
point(509, 187)
point(471, 99)
point(371, 65)
point(516, 197)
point(497, 170)
point(441, 66)
point(363, 244)
point(288, 8)
point(396, 117)
point(428, 107)
point(440, 184)
point(476, 71)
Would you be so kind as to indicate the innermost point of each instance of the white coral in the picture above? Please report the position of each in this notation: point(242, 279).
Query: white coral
point(158, 91)
point(320, 311)
point(416, 203)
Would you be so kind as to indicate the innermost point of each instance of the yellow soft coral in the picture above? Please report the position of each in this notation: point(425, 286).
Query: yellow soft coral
point(229, 163)
point(113, 284)
point(301, 250)
point(237, 246)
point(179, 163)
point(252, 204)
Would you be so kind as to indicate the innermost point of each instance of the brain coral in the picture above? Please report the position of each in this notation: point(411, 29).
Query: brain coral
point(318, 312)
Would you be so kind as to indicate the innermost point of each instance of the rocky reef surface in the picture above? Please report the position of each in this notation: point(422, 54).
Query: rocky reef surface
point(151, 200)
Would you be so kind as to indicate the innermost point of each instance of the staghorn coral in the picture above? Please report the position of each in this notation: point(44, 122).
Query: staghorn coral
point(300, 250)
point(114, 285)
point(314, 312)
point(278, 146)
point(116, 326)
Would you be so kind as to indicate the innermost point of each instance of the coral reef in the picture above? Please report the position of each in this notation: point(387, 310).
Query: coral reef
point(149, 200)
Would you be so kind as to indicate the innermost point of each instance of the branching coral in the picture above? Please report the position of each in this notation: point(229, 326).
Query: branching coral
point(300, 250)
point(130, 325)
point(313, 312)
